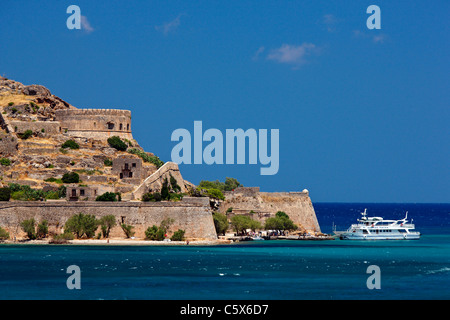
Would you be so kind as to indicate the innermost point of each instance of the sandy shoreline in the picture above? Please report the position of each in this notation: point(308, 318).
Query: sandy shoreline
point(123, 242)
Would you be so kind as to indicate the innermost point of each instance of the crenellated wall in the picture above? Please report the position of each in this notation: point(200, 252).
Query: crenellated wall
point(95, 123)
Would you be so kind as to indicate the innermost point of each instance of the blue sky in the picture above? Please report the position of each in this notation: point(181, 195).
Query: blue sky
point(363, 114)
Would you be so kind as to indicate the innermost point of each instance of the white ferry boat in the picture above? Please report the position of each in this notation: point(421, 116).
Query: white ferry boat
point(376, 228)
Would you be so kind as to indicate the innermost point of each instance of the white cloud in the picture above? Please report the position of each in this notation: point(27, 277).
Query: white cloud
point(377, 38)
point(258, 53)
point(291, 54)
point(85, 25)
point(170, 26)
point(330, 22)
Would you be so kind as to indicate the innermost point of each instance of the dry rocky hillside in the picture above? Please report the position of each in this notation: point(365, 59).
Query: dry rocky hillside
point(34, 127)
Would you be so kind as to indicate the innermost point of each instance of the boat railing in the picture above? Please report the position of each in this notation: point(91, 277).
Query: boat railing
point(389, 226)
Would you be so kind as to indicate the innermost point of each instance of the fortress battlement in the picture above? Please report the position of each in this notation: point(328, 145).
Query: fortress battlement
point(90, 112)
point(95, 123)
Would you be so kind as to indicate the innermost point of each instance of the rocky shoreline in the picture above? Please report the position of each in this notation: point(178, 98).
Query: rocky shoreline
point(120, 242)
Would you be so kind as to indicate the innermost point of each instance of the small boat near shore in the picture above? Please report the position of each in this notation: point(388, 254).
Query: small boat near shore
point(376, 228)
point(257, 238)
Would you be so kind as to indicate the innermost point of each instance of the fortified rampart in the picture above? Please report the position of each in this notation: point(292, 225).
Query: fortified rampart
point(95, 123)
point(192, 216)
point(50, 127)
point(154, 182)
point(262, 205)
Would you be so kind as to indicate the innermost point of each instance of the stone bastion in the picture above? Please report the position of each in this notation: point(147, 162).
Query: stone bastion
point(95, 123)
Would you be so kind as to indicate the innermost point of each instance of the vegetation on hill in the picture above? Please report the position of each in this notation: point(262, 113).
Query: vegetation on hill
point(70, 144)
point(117, 143)
point(147, 158)
point(26, 193)
point(229, 184)
point(71, 177)
point(5, 162)
point(109, 196)
point(5, 194)
point(25, 135)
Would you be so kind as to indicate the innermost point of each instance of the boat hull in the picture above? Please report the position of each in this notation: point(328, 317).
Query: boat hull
point(353, 236)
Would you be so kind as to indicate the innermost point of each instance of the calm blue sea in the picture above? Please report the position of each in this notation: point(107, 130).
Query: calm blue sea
point(253, 270)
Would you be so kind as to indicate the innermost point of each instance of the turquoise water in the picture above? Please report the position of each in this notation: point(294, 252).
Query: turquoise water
point(253, 270)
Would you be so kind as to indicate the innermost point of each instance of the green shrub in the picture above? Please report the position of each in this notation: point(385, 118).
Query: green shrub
point(281, 221)
point(70, 144)
point(59, 181)
point(147, 197)
point(174, 184)
point(11, 104)
point(28, 226)
point(52, 195)
point(82, 224)
point(241, 223)
point(229, 184)
point(220, 222)
point(108, 196)
point(165, 190)
point(5, 194)
point(127, 229)
point(5, 162)
point(62, 238)
point(152, 197)
point(158, 233)
point(108, 162)
point(176, 196)
point(25, 193)
point(117, 143)
point(42, 229)
point(4, 235)
point(107, 223)
point(152, 233)
point(71, 177)
point(178, 235)
point(26, 135)
point(215, 194)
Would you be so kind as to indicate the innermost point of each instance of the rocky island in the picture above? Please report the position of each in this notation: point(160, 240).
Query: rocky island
point(57, 161)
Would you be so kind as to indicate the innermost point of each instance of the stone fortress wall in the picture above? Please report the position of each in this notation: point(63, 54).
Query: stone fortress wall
point(50, 127)
point(193, 216)
point(297, 205)
point(95, 123)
